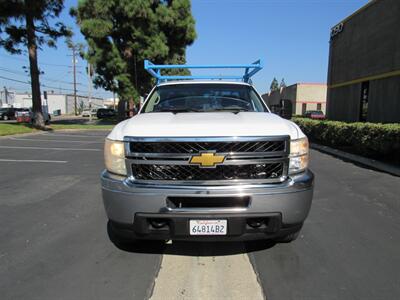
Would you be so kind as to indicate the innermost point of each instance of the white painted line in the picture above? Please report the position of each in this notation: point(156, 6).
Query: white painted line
point(206, 277)
point(75, 135)
point(62, 141)
point(44, 148)
point(34, 161)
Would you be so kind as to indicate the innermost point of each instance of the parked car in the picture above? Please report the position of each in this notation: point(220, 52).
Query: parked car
point(7, 113)
point(23, 115)
point(106, 113)
point(206, 161)
point(46, 117)
point(314, 114)
point(89, 112)
point(19, 111)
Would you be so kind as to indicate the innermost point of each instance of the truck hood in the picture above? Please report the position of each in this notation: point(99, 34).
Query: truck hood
point(167, 124)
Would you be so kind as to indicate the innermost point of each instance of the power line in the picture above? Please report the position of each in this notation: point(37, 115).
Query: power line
point(41, 76)
point(15, 80)
point(97, 94)
point(40, 63)
point(42, 85)
point(12, 71)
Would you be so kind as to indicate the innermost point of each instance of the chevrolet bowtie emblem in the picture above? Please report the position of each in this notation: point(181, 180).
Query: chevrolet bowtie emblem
point(207, 159)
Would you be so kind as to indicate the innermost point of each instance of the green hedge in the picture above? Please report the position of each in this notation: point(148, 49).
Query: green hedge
point(381, 141)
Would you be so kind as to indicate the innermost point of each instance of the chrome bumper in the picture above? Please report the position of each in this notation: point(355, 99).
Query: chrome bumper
point(123, 198)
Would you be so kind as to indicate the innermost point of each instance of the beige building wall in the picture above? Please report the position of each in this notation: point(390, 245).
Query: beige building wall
point(311, 96)
point(303, 96)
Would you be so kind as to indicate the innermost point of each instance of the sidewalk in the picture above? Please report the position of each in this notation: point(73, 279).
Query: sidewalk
point(368, 162)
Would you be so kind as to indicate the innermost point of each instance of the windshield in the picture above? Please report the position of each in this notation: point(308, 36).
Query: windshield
point(204, 98)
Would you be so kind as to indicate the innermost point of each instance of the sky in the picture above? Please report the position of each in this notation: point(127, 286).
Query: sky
point(291, 37)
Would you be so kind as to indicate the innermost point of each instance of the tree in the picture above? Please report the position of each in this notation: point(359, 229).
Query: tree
point(26, 24)
point(274, 85)
point(121, 34)
point(283, 84)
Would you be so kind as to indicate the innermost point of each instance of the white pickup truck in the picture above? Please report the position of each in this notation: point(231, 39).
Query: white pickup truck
point(208, 161)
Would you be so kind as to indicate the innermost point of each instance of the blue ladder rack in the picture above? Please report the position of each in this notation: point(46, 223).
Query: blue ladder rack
point(249, 71)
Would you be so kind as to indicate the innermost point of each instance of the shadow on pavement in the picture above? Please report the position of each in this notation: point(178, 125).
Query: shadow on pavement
point(216, 248)
point(195, 248)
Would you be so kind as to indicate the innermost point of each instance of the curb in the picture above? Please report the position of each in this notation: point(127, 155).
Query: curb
point(368, 162)
point(38, 132)
point(21, 134)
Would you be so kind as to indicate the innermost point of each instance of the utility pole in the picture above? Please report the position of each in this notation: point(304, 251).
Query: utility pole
point(114, 99)
point(6, 95)
point(76, 48)
point(89, 72)
point(74, 71)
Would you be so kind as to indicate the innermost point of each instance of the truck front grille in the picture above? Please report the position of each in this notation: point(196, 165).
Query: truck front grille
point(195, 147)
point(221, 172)
point(247, 159)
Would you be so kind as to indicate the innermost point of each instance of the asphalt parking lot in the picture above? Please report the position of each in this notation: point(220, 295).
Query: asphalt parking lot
point(54, 244)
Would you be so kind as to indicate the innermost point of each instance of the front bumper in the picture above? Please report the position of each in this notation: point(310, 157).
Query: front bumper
point(131, 207)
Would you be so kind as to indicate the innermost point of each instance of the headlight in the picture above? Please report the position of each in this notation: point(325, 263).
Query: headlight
point(114, 157)
point(298, 155)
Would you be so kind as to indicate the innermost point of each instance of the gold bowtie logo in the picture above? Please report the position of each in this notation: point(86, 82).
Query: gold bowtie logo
point(207, 159)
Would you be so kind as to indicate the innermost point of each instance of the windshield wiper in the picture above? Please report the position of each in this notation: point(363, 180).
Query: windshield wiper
point(234, 110)
point(178, 110)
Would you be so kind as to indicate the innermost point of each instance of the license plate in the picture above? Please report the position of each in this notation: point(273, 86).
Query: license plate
point(208, 227)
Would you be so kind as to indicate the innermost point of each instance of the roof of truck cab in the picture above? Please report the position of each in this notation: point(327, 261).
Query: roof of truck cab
point(202, 82)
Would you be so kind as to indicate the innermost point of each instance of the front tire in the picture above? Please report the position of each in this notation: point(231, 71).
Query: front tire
point(5, 118)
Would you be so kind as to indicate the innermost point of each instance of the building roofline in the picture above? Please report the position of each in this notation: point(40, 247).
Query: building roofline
point(312, 83)
point(361, 9)
point(299, 83)
point(308, 83)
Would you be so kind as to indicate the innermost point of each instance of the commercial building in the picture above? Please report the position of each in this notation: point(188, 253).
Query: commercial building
point(65, 103)
point(296, 99)
point(364, 65)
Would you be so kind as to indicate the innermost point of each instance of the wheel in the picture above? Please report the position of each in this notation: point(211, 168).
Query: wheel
point(288, 238)
point(5, 118)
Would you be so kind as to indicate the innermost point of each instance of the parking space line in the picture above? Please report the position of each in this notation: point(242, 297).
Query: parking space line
point(34, 161)
point(62, 141)
point(206, 277)
point(75, 135)
point(45, 148)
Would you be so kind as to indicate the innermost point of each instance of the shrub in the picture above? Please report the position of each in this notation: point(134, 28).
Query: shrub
point(381, 141)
